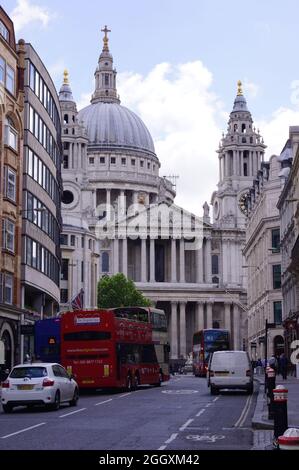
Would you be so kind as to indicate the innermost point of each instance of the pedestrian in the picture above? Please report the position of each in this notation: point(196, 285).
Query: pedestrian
point(284, 366)
point(273, 363)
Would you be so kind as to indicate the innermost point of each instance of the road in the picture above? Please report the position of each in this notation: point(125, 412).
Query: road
point(180, 415)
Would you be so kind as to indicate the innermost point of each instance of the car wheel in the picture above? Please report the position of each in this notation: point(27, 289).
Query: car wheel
point(214, 390)
point(7, 408)
point(56, 405)
point(75, 398)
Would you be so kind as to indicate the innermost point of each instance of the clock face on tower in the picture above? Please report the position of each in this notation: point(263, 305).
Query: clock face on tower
point(243, 203)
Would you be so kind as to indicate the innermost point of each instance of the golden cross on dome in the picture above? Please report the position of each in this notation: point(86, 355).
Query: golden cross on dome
point(105, 38)
point(66, 77)
point(240, 91)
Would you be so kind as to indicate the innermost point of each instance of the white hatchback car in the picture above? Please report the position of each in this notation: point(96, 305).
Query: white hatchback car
point(230, 369)
point(38, 384)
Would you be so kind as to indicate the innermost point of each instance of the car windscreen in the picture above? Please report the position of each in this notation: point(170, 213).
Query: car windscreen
point(32, 372)
point(229, 360)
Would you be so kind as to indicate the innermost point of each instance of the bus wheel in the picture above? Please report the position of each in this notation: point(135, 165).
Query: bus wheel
point(129, 386)
point(136, 382)
point(160, 380)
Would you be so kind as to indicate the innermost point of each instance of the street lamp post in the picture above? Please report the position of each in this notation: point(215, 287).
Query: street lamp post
point(267, 326)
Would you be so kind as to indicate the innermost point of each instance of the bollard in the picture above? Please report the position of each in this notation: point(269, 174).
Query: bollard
point(270, 385)
point(289, 440)
point(280, 412)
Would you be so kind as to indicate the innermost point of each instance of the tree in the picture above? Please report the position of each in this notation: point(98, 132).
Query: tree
point(118, 291)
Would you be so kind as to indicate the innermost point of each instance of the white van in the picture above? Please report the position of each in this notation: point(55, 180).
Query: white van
point(230, 369)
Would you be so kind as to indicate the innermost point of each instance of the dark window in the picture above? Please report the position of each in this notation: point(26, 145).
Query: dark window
point(215, 280)
point(275, 240)
point(66, 145)
point(245, 169)
point(30, 372)
point(105, 262)
point(67, 197)
point(64, 296)
point(87, 336)
point(82, 271)
point(276, 276)
point(65, 270)
point(113, 160)
point(65, 119)
point(73, 240)
point(277, 308)
point(215, 264)
point(91, 160)
point(65, 162)
point(148, 354)
point(63, 239)
point(123, 161)
point(133, 161)
point(102, 160)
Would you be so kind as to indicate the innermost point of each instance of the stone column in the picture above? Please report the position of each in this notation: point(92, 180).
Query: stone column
point(227, 323)
point(236, 329)
point(199, 316)
point(174, 331)
point(183, 329)
point(125, 257)
point(220, 169)
point(143, 260)
point(182, 260)
point(250, 162)
point(173, 261)
point(108, 204)
point(235, 153)
point(116, 256)
point(208, 261)
point(209, 315)
point(71, 155)
point(199, 265)
point(122, 202)
point(152, 261)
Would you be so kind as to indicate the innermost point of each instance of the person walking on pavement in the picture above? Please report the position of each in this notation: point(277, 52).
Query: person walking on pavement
point(284, 366)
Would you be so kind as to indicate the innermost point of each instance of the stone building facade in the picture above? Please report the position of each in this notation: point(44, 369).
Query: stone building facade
point(111, 168)
point(288, 206)
point(263, 262)
point(11, 167)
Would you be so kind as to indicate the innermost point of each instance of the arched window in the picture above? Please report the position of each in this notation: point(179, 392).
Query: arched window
point(243, 128)
point(6, 338)
point(66, 119)
point(105, 262)
point(245, 172)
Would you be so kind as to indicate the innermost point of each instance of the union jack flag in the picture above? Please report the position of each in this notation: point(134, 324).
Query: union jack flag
point(78, 301)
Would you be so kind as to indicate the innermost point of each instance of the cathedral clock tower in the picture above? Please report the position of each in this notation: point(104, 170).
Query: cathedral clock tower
point(240, 154)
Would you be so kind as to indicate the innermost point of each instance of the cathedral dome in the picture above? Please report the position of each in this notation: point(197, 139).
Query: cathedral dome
point(109, 124)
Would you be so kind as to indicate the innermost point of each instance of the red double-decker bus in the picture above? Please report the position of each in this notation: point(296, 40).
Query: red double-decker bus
point(206, 342)
point(109, 348)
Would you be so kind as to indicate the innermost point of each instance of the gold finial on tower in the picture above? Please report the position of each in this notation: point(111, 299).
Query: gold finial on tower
point(66, 77)
point(240, 91)
point(105, 38)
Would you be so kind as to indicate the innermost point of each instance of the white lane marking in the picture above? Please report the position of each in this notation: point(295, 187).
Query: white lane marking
point(186, 424)
point(22, 430)
point(162, 448)
point(244, 412)
point(208, 404)
point(102, 402)
point(172, 438)
point(247, 411)
point(125, 395)
point(215, 399)
point(200, 412)
point(180, 392)
point(72, 413)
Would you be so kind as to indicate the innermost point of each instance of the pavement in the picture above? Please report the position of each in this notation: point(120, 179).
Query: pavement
point(262, 426)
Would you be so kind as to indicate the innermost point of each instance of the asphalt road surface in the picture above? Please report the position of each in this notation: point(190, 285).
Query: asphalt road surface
point(180, 415)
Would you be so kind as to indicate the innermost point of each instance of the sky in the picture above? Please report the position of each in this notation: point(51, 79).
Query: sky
point(178, 65)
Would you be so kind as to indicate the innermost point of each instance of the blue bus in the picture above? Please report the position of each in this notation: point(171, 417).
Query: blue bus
point(47, 340)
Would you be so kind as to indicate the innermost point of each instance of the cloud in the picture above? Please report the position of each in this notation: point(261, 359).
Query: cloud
point(26, 13)
point(251, 89)
point(275, 130)
point(182, 114)
point(56, 70)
